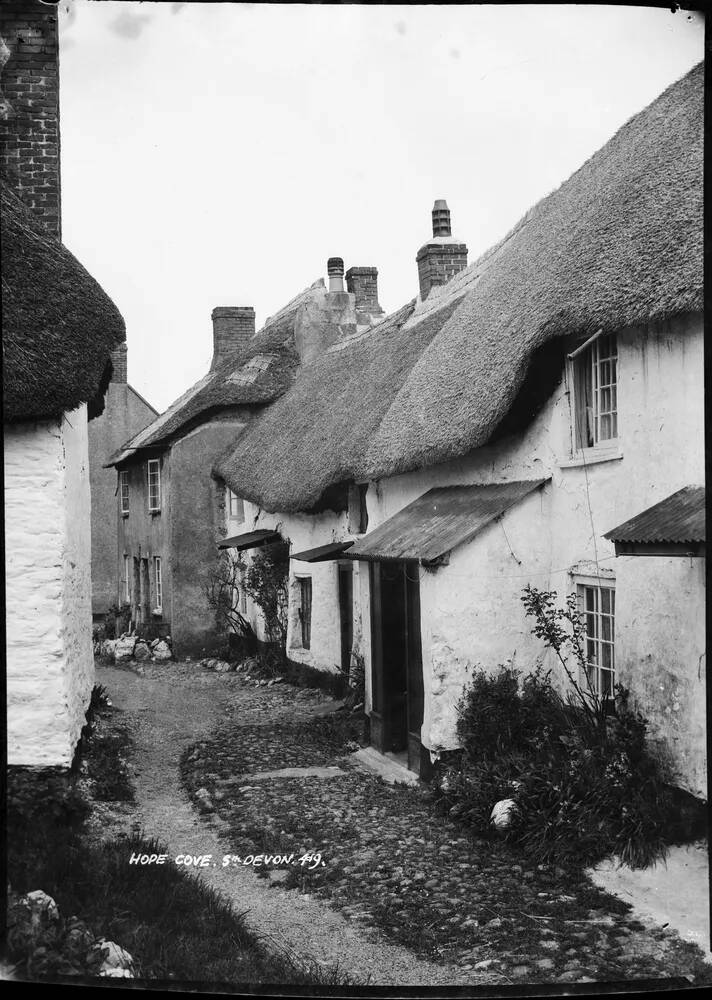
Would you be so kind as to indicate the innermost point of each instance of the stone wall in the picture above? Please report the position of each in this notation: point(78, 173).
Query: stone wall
point(47, 589)
point(29, 124)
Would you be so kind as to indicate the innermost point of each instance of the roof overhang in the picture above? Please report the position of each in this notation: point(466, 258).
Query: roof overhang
point(322, 553)
point(249, 540)
point(429, 528)
point(673, 527)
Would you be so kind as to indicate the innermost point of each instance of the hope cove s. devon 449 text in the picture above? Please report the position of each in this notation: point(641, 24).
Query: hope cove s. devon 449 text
point(309, 860)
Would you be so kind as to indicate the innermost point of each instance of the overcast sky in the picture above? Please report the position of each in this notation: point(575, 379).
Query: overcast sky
point(217, 154)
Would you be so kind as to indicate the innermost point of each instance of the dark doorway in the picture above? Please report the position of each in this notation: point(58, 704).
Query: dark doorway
point(346, 614)
point(397, 665)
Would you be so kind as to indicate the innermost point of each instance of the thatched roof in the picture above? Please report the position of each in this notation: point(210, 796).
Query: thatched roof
point(58, 324)
point(254, 376)
point(618, 244)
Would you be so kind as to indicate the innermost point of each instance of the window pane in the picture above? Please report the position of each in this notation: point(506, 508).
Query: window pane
point(606, 683)
point(606, 628)
point(591, 650)
point(605, 600)
point(606, 656)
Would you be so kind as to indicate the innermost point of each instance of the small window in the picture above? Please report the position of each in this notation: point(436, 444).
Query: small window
point(154, 484)
point(158, 582)
point(598, 607)
point(124, 491)
point(305, 607)
point(235, 507)
point(595, 380)
point(128, 568)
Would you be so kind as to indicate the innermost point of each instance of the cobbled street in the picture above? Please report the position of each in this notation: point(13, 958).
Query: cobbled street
point(398, 894)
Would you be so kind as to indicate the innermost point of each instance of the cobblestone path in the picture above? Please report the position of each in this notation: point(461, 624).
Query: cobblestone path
point(399, 895)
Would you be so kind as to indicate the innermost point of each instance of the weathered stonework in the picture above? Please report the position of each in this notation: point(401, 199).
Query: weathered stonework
point(29, 128)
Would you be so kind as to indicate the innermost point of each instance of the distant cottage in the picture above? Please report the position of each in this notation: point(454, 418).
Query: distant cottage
point(59, 329)
point(170, 509)
point(535, 417)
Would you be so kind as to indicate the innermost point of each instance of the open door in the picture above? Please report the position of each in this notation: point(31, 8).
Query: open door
point(397, 671)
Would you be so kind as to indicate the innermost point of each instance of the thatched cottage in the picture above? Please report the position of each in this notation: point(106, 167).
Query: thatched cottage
point(59, 329)
point(535, 419)
point(170, 507)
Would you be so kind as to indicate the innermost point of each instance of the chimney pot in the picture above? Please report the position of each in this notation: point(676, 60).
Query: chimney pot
point(233, 326)
point(335, 270)
point(441, 218)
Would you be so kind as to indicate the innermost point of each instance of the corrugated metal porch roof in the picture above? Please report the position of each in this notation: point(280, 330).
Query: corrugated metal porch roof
point(441, 519)
point(678, 518)
point(322, 553)
point(249, 540)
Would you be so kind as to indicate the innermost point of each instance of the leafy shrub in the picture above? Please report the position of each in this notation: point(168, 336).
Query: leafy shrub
point(581, 792)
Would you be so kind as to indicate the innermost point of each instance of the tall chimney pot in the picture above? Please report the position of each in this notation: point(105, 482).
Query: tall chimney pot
point(441, 218)
point(335, 270)
point(233, 326)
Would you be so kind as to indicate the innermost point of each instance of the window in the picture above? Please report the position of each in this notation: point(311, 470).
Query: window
point(128, 568)
point(154, 484)
point(235, 506)
point(305, 606)
point(595, 378)
point(158, 582)
point(598, 606)
point(124, 491)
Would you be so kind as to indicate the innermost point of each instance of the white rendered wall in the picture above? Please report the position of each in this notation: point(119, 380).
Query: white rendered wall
point(50, 666)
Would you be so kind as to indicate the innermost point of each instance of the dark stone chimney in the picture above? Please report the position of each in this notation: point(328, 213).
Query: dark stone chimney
point(232, 328)
point(29, 107)
point(442, 257)
point(119, 363)
point(363, 283)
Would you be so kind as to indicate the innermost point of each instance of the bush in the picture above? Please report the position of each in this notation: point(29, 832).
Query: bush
point(581, 792)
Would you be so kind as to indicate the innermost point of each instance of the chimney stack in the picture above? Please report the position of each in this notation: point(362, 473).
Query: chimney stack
point(119, 363)
point(443, 256)
point(335, 270)
point(29, 108)
point(363, 283)
point(233, 326)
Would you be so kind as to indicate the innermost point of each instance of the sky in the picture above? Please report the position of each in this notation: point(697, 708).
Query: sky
point(217, 154)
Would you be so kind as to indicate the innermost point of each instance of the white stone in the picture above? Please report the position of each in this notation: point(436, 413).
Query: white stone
point(162, 651)
point(124, 648)
point(503, 814)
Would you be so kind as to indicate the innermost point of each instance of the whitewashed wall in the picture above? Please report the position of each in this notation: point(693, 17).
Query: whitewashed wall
point(471, 610)
point(50, 665)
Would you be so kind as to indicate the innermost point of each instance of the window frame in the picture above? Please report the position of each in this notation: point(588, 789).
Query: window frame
point(587, 365)
point(238, 518)
point(597, 614)
point(158, 582)
point(156, 462)
point(304, 588)
point(124, 493)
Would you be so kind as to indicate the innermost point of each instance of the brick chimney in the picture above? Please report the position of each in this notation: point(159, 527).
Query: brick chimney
point(442, 257)
point(232, 328)
point(29, 108)
point(119, 363)
point(363, 283)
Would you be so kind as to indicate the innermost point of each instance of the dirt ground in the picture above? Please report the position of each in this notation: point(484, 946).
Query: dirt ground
point(227, 769)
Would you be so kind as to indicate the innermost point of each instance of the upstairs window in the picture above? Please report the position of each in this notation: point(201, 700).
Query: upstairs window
point(124, 491)
point(154, 484)
point(595, 382)
point(598, 607)
point(305, 609)
point(235, 506)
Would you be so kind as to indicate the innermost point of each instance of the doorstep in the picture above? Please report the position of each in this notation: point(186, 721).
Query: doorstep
point(384, 764)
